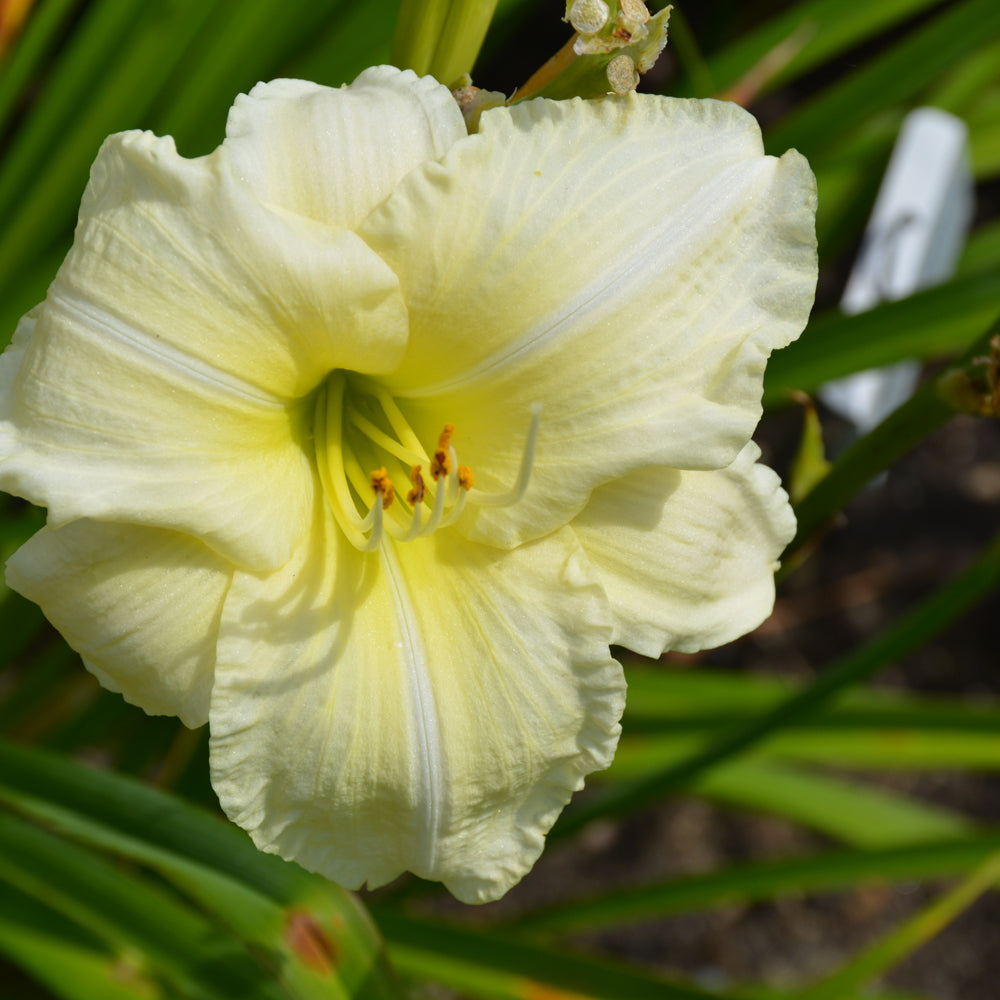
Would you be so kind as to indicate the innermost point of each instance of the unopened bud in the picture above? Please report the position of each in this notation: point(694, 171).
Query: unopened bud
point(589, 16)
point(622, 75)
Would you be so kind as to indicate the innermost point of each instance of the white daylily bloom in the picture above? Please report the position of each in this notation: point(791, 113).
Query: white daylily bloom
point(587, 291)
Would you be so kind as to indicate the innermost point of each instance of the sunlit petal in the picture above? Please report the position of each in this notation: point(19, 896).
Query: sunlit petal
point(688, 558)
point(430, 707)
point(629, 263)
point(164, 379)
point(333, 155)
point(366, 437)
point(140, 605)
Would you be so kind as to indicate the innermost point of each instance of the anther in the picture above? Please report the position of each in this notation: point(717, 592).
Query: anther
point(465, 478)
point(441, 464)
point(382, 485)
point(416, 495)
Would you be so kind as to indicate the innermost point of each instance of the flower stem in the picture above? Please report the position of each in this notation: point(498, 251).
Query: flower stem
point(441, 37)
point(929, 408)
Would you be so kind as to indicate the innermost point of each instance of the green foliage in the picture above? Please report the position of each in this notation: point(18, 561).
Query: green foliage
point(110, 889)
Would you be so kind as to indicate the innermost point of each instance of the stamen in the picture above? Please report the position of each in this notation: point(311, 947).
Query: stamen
point(434, 521)
point(382, 485)
point(442, 464)
point(347, 442)
point(416, 495)
point(330, 465)
point(520, 487)
point(400, 425)
point(379, 437)
point(374, 540)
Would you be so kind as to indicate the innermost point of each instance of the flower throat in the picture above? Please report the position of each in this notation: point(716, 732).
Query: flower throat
point(365, 445)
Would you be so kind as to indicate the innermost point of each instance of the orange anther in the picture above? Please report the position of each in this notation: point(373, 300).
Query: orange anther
point(382, 485)
point(446, 435)
point(441, 465)
point(465, 478)
point(416, 495)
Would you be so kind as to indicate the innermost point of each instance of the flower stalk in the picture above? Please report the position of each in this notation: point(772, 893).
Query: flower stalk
point(441, 37)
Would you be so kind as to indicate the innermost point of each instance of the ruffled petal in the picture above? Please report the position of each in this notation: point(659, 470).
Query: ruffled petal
point(430, 707)
point(688, 558)
point(95, 428)
point(162, 379)
point(627, 263)
point(183, 256)
point(141, 606)
point(333, 155)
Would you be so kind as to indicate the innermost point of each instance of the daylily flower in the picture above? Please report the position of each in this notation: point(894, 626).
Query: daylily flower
point(362, 439)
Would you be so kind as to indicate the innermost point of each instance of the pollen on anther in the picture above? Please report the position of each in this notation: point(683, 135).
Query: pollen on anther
point(382, 485)
point(416, 495)
point(441, 464)
point(446, 435)
point(465, 478)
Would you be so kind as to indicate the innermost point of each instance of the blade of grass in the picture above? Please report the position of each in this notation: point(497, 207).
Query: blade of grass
point(831, 870)
point(243, 41)
point(914, 932)
point(982, 251)
point(909, 633)
point(896, 75)
point(846, 810)
point(73, 965)
point(128, 914)
point(666, 697)
point(100, 33)
point(348, 46)
point(486, 965)
point(670, 712)
point(108, 89)
point(968, 80)
point(904, 428)
point(828, 28)
point(859, 746)
point(930, 324)
point(33, 48)
point(984, 136)
point(265, 902)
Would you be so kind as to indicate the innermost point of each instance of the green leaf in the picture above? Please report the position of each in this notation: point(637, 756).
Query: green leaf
point(763, 881)
point(847, 810)
point(955, 390)
point(242, 42)
point(348, 45)
point(441, 37)
point(931, 324)
point(25, 60)
point(897, 74)
point(314, 936)
point(909, 936)
point(671, 712)
point(812, 32)
point(71, 963)
point(488, 965)
point(131, 915)
point(810, 463)
point(120, 56)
